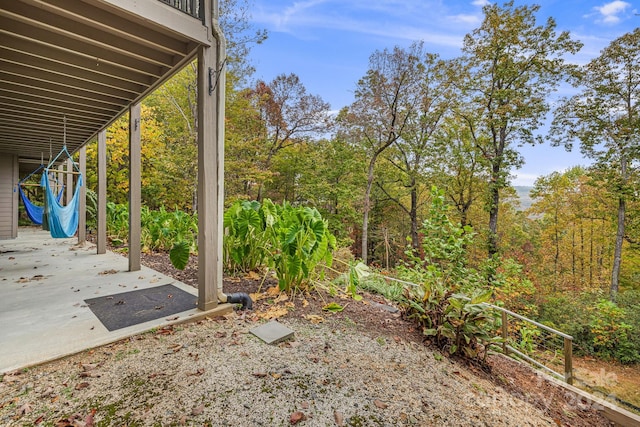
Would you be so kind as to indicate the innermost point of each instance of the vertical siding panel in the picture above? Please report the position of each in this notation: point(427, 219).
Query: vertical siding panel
point(8, 198)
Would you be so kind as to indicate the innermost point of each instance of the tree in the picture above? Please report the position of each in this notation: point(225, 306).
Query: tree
point(411, 154)
point(290, 114)
point(386, 99)
point(509, 66)
point(462, 169)
point(240, 36)
point(605, 118)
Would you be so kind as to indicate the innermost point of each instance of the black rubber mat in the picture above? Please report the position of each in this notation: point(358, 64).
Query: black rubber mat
point(118, 311)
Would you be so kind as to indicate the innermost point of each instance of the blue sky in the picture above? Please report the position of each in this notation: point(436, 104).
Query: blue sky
point(327, 43)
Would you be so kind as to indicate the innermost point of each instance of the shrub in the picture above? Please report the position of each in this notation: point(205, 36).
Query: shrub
point(457, 323)
point(245, 241)
point(299, 239)
point(290, 240)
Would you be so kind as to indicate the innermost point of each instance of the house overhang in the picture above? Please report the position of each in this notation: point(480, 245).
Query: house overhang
point(83, 62)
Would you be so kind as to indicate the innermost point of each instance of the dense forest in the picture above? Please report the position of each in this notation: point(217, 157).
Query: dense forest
point(425, 154)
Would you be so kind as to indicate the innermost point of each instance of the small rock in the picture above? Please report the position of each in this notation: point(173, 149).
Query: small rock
point(296, 417)
point(380, 404)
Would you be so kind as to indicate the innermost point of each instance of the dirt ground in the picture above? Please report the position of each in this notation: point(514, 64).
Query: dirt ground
point(375, 317)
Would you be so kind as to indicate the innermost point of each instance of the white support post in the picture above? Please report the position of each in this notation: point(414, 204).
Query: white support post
point(101, 243)
point(211, 90)
point(135, 187)
point(82, 208)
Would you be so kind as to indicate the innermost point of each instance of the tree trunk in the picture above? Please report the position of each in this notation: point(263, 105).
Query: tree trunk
point(494, 197)
point(617, 256)
point(415, 244)
point(366, 208)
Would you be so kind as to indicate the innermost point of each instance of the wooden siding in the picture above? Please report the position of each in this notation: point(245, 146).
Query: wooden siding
point(8, 197)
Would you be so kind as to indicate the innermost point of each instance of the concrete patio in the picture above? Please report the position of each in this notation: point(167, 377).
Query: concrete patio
point(43, 285)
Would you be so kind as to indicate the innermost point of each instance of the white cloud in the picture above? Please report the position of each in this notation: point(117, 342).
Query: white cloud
point(382, 18)
point(466, 19)
point(610, 11)
point(480, 3)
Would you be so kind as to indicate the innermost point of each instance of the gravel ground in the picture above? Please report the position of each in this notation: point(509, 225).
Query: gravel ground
point(214, 372)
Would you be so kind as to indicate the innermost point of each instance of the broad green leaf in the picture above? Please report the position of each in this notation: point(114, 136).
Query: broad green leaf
point(482, 297)
point(333, 307)
point(179, 255)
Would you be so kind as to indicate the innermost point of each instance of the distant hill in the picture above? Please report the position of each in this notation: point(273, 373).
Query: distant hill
point(525, 197)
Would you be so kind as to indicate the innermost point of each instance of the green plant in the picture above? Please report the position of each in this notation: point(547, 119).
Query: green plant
point(527, 341)
point(444, 251)
point(298, 239)
point(179, 255)
point(245, 242)
point(456, 323)
point(117, 221)
point(162, 229)
point(611, 335)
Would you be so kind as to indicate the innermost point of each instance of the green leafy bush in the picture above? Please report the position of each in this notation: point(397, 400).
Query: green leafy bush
point(290, 240)
point(458, 323)
point(599, 327)
point(162, 229)
point(117, 221)
point(299, 239)
point(245, 241)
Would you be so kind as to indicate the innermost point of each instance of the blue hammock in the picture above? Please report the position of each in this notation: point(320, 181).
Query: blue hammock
point(62, 220)
point(35, 212)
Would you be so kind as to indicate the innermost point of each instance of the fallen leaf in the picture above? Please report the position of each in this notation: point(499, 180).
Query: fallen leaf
point(198, 372)
point(281, 298)
point(108, 272)
point(339, 418)
point(88, 421)
point(81, 386)
point(314, 318)
point(198, 410)
point(176, 347)
point(252, 275)
point(24, 409)
point(380, 404)
point(333, 307)
point(273, 312)
point(259, 374)
point(172, 318)
point(273, 291)
point(296, 417)
point(39, 419)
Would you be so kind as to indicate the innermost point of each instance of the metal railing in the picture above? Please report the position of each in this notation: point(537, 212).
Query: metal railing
point(508, 347)
point(190, 7)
